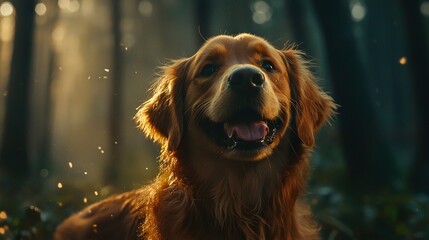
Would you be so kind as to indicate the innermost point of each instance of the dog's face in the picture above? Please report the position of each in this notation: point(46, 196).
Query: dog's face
point(235, 98)
point(238, 97)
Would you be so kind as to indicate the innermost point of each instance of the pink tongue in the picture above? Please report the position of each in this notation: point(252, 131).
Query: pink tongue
point(253, 131)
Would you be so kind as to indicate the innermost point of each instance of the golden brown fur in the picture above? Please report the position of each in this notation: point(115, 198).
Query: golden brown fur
point(247, 186)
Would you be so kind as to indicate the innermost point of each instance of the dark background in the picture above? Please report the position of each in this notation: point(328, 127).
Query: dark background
point(72, 73)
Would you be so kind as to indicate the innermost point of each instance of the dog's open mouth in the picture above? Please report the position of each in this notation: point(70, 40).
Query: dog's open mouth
point(244, 133)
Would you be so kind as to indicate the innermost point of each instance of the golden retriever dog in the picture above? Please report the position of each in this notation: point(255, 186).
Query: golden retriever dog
point(236, 123)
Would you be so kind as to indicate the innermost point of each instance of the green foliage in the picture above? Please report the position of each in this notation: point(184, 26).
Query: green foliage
point(382, 216)
point(30, 215)
point(379, 216)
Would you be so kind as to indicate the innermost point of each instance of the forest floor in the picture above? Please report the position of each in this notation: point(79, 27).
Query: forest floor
point(30, 215)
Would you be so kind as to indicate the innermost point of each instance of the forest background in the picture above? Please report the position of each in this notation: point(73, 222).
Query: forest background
point(73, 72)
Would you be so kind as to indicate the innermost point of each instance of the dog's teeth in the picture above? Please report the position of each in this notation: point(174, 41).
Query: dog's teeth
point(231, 143)
point(271, 137)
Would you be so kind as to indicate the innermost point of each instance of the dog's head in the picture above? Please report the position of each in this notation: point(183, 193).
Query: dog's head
point(236, 97)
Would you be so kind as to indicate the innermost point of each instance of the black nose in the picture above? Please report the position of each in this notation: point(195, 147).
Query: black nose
point(246, 80)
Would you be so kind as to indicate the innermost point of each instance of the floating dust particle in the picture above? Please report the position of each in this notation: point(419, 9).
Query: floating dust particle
point(403, 60)
point(70, 165)
point(85, 200)
point(95, 193)
point(60, 185)
point(107, 70)
point(101, 150)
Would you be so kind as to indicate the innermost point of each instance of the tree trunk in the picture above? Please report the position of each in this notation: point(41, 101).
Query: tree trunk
point(115, 140)
point(202, 12)
point(14, 159)
point(371, 167)
point(299, 22)
point(418, 61)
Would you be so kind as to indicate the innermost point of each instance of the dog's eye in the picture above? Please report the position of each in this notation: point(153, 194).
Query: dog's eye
point(208, 70)
point(268, 65)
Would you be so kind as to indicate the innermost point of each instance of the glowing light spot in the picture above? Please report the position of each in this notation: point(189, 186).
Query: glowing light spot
point(85, 200)
point(145, 8)
point(70, 165)
point(107, 70)
point(89, 77)
point(86, 173)
point(44, 173)
point(3, 215)
point(262, 12)
point(116, 143)
point(358, 11)
point(105, 191)
point(403, 60)
point(424, 8)
point(6, 9)
point(60, 204)
point(95, 193)
point(40, 9)
point(74, 6)
point(58, 34)
point(69, 5)
point(147, 168)
point(60, 185)
point(2, 231)
point(63, 4)
point(60, 68)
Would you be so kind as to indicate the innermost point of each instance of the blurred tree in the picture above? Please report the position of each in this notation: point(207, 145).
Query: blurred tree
point(44, 134)
point(370, 164)
point(418, 61)
point(203, 13)
point(237, 16)
point(113, 162)
point(299, 21)
point(14, 160)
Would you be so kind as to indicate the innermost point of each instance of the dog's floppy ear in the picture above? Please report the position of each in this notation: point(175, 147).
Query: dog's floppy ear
point(313, 106)
point(161, 117)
